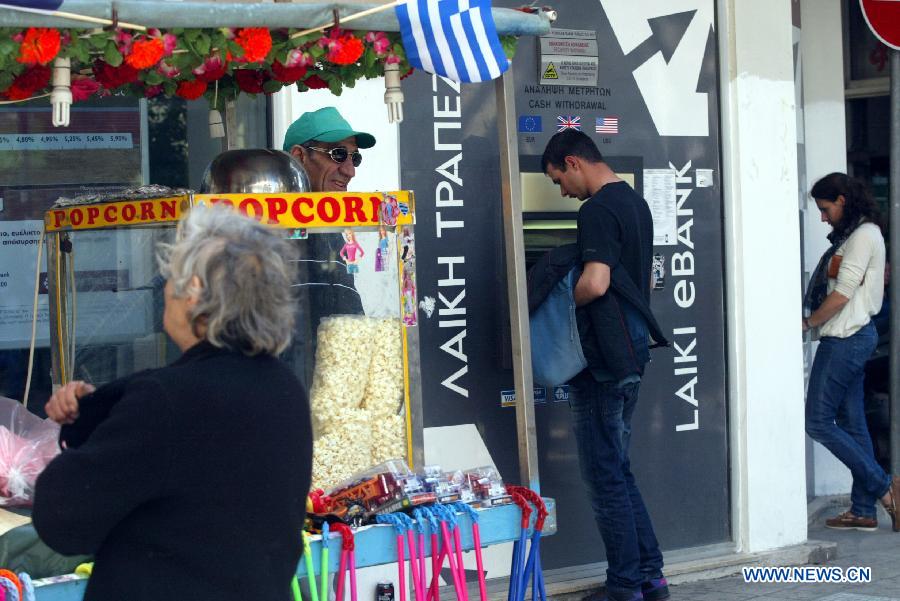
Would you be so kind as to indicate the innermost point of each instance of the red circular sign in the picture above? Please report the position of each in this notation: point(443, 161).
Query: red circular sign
point(883, 17)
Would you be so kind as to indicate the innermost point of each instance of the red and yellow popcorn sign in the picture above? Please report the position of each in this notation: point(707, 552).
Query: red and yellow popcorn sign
point(300, 210)
point(117, 214)
point(320, 209)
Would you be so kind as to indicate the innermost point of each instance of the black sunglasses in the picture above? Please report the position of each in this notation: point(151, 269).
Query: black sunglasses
point(339, 154)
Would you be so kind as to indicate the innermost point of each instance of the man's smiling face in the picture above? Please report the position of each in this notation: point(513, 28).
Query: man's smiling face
point(326, 174)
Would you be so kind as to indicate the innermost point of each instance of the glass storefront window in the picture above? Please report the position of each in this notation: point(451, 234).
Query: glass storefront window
point(111, 143)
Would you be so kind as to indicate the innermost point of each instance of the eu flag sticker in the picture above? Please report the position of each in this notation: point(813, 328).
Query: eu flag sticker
point(530, 124)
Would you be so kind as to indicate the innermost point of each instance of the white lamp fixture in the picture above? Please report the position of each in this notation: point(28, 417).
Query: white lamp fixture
point(61, 95)
point(393, 95)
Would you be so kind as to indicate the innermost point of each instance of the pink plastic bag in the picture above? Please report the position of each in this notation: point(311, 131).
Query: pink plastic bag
point(27, 444)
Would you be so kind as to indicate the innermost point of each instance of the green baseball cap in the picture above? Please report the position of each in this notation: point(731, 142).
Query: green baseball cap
point(324, 125)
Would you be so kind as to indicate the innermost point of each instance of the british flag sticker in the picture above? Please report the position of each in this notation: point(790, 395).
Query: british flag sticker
point(564, 122)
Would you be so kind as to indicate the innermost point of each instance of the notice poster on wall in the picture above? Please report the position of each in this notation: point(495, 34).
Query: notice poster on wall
point(113, 271)
point(19, 242)
point(659, 192)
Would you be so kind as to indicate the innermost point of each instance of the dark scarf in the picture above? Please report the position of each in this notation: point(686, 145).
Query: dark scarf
point(817, 289)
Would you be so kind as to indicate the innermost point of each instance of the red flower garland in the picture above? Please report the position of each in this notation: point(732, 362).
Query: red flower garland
point(143, 60)
point(250, 80)
point(113, 77)
point(39, 46)
point(214, 68)
point(83, 88)
point(287, 74)
point(28, 82)
point(153, 91)
point(256, 42)
point(345, 50)
point(145, 53)
point(314, 82)
point(191, 90)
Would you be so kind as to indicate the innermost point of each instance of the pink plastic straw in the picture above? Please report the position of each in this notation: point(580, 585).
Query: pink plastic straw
point(415, 585)
point(436, 574)
point(448, 546)
point(476, 538)
point(459, 563)
point(437, 561)
point(401, 567)
point(342, 574)
point(352, 554)
point(422, 577)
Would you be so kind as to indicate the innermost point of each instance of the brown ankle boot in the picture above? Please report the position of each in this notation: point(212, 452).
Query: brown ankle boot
point(892, 506)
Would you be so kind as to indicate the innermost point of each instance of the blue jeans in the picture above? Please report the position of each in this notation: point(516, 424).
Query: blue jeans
point(601, 413)
point(836, 417)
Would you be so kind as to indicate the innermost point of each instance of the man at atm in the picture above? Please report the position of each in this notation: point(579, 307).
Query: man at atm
point(615, 248)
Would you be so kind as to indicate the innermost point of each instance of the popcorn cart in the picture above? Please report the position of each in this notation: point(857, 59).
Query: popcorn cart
point(355, 347)
point(356, 307)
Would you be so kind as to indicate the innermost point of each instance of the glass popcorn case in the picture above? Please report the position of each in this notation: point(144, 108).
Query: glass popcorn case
point(355, 347)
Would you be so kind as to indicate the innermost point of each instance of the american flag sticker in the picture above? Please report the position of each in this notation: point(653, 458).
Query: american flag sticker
point(564, 122)
point(607, 125)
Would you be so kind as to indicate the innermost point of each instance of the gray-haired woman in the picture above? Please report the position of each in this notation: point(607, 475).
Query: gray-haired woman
point(190, 481)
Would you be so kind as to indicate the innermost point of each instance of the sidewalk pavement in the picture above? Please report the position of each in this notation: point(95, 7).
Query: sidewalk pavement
point(878, 550)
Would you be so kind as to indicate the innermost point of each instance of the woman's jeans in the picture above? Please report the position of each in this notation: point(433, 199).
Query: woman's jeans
point(601, 413)
point(836, 417)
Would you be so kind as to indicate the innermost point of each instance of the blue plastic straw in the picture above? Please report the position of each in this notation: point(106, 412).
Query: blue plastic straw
point(323, 568)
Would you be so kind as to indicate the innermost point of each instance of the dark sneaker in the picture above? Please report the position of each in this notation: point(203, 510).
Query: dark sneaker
point(613, 596)
point(655, 589)
point(848, 521)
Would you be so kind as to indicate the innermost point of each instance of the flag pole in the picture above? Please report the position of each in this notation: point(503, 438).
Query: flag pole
point(359, 15)
point(73, 16)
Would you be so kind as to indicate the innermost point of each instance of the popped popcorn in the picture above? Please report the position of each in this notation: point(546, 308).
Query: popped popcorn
point(384, 392)
point(357, 397)
point(388, 438)
point(344, 351)
point(344, 450)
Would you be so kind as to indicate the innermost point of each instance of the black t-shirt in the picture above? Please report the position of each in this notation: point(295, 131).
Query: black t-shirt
point(615, 227)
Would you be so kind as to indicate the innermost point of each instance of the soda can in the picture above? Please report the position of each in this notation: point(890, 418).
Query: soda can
point(384, 591)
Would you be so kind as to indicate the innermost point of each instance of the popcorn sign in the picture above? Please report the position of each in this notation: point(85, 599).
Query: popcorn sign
point(296, 211)
point(114, 214)
point(320, 209)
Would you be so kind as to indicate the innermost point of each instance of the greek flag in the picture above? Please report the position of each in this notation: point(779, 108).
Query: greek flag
point(452, 38)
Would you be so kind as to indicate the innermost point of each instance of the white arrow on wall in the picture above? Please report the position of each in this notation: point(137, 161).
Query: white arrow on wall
point(669, 88)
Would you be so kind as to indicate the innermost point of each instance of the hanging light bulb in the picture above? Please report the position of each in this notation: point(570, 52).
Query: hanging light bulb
point(61, 94)
point(393, 95)
point(216, 126)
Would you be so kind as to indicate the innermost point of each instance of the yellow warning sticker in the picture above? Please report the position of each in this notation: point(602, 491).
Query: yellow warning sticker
point(550, 72)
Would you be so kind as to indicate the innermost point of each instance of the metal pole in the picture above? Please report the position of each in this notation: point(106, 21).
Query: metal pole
point(296, 14)
point(895, 260)
point(56, 298)
point(511, 186)
point(415, 408)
